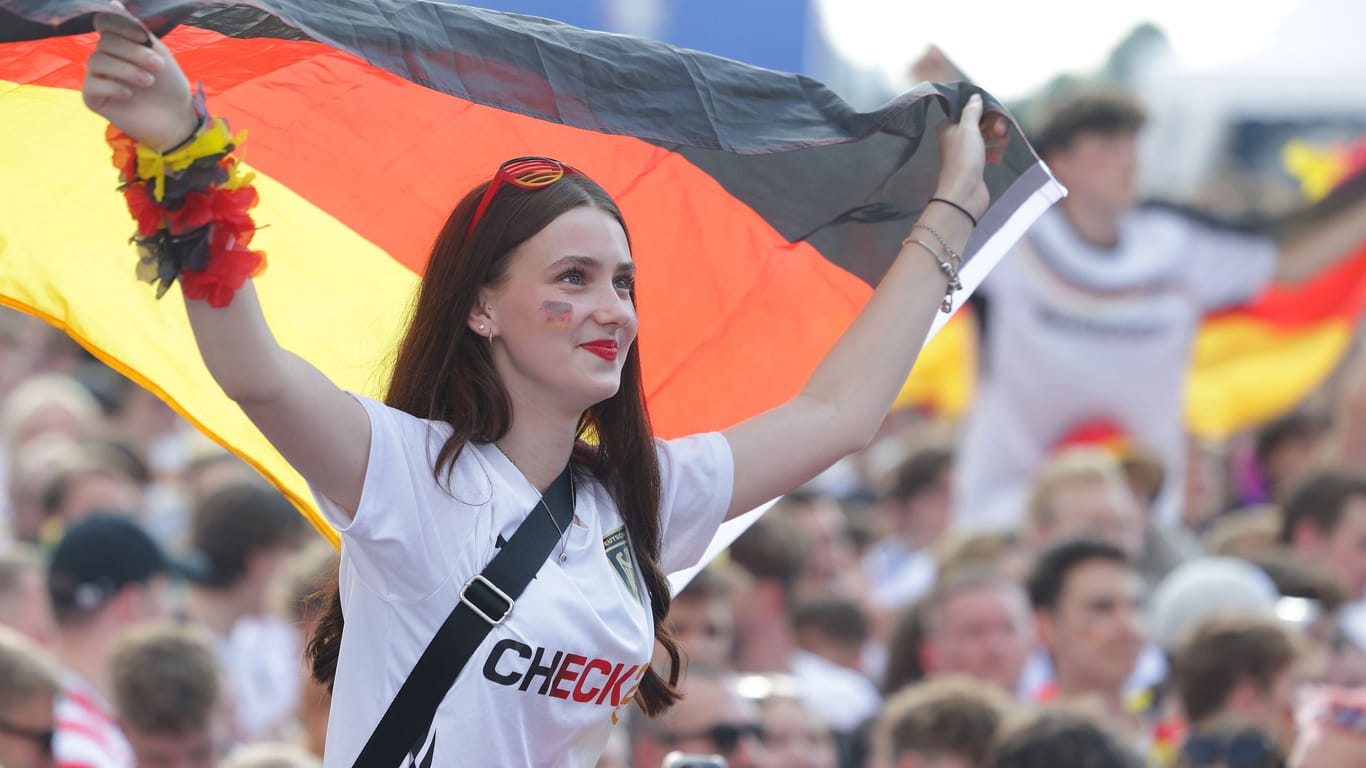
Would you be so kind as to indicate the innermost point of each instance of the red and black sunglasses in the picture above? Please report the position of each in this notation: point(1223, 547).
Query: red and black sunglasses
point(523, 173)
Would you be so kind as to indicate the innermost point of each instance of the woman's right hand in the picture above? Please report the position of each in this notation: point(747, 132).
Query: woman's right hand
point(138, 86)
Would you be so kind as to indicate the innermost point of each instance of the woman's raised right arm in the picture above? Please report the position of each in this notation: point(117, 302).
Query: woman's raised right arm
point(133, 81)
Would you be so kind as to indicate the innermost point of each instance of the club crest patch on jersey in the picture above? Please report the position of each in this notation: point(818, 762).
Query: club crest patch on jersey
point(619, 555)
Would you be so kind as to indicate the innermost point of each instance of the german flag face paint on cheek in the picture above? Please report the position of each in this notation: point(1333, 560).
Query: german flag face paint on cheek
point(557, 314)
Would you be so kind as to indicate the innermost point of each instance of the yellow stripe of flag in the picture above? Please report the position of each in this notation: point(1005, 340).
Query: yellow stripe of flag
point(335, 298)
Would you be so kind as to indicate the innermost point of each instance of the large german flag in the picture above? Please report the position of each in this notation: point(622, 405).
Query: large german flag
point(762, 207)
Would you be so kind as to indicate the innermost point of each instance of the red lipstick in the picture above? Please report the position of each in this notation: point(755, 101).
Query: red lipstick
point(606, 349)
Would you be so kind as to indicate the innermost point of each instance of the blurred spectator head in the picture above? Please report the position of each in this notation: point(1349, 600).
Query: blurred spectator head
point(1204, 588)
point(167, 693)
point(712, 719)
point(244, 531)
point(1286, 449)
point(834, 628)
point(916, 505)
point(24, 604)
point(978, 624)
point(1054, 737)
point(209, 466)
point(1083, 492)
point(794, 735)
point(1001, 551)
point(49, 403)
point(1239, 673)
point(30, 473)
point(1245, 532)
point(906, 648)
point(1092, 110)
point(1324, 519)
point(949, 722)
point(1089, 141)
point(702, 619)
point(830, 556)
point(1086, 597)
point(29, 684)
point(771, 553)
point(98, 480)
point(107, 572)
point(271, 755)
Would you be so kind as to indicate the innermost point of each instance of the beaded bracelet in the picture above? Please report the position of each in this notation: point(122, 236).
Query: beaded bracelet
point(950, 271)
point(191, 207)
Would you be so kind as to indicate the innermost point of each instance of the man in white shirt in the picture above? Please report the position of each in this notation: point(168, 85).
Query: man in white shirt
point(1093, 314)
point(245, 530)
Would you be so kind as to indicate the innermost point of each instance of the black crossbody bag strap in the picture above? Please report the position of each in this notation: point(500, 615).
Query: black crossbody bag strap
point(485, 602)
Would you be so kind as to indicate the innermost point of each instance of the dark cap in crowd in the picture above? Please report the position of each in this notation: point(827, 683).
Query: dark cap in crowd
point(100, 555)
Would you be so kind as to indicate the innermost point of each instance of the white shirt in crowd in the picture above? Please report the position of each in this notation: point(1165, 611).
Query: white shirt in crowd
point(87, 735)
point(260, 659)
point(545, 687)
point(1077, 333)
point(844, 699)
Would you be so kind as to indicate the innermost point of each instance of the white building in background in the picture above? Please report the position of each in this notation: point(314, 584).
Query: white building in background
point(1230, 120)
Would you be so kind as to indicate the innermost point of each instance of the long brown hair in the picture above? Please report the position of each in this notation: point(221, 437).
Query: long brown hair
point(444, 372)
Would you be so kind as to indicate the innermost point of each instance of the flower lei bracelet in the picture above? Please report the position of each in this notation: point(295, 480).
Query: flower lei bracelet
point(191, 207)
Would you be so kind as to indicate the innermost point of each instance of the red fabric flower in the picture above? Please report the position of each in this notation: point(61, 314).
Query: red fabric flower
point(145, 210)
point(230, 264)
point(228, 206)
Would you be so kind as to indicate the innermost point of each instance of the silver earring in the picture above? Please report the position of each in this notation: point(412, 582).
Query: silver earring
point(481, 327)
point(490, 307)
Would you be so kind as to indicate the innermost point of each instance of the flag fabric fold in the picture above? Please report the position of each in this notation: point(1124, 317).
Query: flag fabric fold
point(762, 208)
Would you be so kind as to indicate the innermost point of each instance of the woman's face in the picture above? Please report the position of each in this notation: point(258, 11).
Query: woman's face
point(563, 318)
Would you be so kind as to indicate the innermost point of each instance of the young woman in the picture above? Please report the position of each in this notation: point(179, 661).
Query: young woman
point(521, 358)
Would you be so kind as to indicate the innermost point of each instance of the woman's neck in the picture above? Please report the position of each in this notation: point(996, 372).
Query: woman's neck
point(539, 443)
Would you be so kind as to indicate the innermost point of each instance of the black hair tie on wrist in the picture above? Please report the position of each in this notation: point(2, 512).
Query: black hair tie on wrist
point(960, 208)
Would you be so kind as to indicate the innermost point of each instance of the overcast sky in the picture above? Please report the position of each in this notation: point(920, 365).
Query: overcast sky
point(1013, 47)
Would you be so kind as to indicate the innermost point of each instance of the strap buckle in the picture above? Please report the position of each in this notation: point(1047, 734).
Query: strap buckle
point(496, 592)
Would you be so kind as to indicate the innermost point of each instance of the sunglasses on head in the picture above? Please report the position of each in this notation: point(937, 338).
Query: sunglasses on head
point(725, 736)
point(523, 173)
point(1244, 749)
point(42, 738)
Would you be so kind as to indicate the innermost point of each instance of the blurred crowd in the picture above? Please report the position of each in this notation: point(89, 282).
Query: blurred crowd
point(156, 595)
point(155, 590)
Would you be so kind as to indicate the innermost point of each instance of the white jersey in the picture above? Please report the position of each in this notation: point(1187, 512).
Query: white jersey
point(1078, 333)
point(544, 687)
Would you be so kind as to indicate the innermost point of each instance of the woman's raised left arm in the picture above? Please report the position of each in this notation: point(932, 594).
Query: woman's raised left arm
point(849, 394)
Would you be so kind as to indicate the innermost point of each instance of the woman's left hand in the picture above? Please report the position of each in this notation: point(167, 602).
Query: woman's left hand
point(965, 148)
